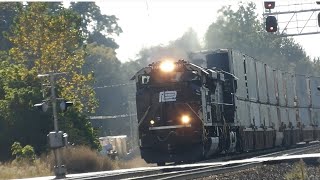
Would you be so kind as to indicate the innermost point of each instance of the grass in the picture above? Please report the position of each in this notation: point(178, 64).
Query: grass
point(24, 169)
point(78, 159)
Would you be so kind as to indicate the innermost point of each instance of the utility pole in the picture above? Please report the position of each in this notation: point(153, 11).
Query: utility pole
point(57, 139)
point(59, 170)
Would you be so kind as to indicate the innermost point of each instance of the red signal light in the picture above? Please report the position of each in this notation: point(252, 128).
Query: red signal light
point(271, 24)
point(269, 4)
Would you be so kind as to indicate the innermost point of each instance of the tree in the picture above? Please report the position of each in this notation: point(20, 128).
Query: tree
point(97, 29)
point(46, 41)
point(45, 38)
point(20, 89)
point(242, 30)
point(106, 67)
point(95, 25)
point(8, 11)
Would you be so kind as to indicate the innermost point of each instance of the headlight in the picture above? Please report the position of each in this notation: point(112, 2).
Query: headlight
point(152, 122)
point(185, 119)
point(167, 66)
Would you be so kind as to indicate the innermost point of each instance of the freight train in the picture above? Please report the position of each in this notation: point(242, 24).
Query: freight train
point(233, 103)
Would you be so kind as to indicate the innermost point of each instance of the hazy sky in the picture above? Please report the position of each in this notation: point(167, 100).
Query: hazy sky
point(154, 22)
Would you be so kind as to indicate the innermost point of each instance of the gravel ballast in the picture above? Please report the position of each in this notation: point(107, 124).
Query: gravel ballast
point(281, 170)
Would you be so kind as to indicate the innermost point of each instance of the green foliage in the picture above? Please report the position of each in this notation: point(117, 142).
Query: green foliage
point(28, 153)
point(23, 153)
point(101, 56)
point(16, 149)
point(79, 129)
point(8, 11)
point(101, 24)
point(106, 67)
point(46, 41)
point(44, 37)
point(20, 89)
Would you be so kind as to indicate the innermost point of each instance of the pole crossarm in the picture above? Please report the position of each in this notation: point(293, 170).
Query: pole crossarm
point(307, 28)
point(299, 34)
point(291, 12)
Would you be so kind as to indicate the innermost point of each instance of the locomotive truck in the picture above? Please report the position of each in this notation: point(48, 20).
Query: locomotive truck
point(231, 103)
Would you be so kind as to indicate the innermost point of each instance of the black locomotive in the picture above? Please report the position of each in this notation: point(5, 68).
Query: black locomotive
point(234, 104)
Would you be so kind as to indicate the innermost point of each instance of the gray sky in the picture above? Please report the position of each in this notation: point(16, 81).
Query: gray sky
point(154, 22)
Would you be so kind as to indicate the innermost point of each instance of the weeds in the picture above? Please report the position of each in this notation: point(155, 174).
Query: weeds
point(79, 159)
point(299, 171)
point(24, 169)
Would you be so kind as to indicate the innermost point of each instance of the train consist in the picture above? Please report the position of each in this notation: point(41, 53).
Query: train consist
point(234, 104)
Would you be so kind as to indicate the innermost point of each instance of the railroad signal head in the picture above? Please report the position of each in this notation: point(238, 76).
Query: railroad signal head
point(42, 106)
point(271, 24)
point(65, 104)
point(269, 4)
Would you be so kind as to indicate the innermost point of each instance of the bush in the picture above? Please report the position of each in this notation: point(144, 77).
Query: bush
point(82, 159)
point(25, 153)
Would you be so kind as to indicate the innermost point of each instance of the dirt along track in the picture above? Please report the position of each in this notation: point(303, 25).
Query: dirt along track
point(211, 170)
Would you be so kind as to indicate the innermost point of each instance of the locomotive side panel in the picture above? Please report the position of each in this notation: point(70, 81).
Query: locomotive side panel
point(222, 60)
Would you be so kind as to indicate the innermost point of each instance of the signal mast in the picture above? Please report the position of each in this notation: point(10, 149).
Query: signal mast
point(303, 18)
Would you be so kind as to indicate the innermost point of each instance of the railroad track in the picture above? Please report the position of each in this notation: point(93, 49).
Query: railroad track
point(193, 171)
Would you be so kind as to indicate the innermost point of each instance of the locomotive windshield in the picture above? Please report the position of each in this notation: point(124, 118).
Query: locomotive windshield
point(157, 77)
